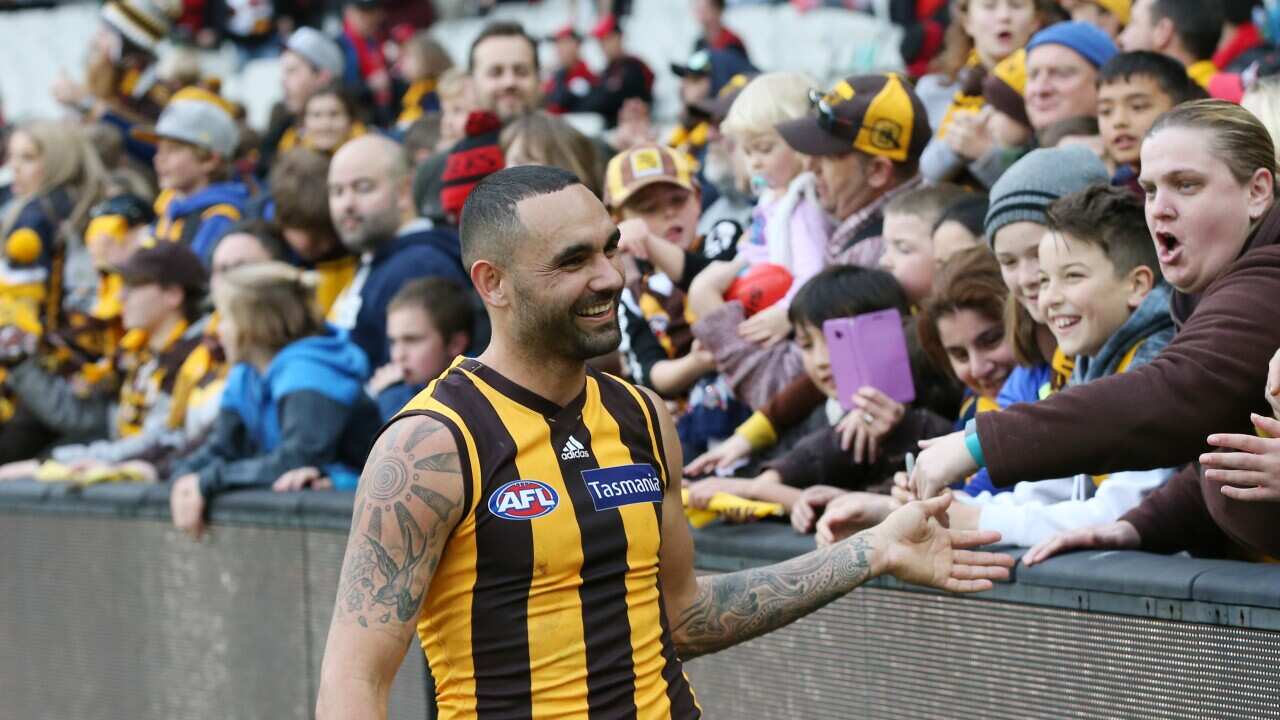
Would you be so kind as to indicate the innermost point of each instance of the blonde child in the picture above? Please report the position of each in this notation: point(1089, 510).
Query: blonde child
point(788, 226)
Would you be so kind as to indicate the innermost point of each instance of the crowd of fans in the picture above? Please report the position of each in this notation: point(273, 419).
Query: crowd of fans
point(1046, 253)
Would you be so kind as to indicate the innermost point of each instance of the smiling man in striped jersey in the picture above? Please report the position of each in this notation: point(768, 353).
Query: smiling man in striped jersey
point(522, 515)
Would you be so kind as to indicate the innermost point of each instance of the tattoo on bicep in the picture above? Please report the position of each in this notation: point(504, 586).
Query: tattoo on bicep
point(731, 608)
point(440, 462)
point(421, 431)
point(442, 506)
point(394, 571)
point(399, 577)
point(387, 478)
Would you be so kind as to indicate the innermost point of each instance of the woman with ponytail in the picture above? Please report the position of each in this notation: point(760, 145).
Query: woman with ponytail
point(294, 397)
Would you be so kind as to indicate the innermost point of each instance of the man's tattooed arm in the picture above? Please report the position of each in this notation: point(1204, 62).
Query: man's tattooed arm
point(735, 607)
point(409, 499)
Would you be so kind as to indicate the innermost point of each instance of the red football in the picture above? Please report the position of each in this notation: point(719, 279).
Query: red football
point(760, 287)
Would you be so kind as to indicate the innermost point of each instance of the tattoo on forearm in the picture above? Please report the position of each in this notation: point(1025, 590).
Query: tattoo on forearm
point(735, 607)
point(386, 578)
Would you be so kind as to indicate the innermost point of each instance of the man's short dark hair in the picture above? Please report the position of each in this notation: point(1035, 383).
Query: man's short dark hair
point(501, 28)
point(1198, 23)
point(1111, 218)
point(490, 221)
point(1168, 73)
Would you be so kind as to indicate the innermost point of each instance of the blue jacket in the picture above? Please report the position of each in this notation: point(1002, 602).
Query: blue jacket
point(308, 409)
point(418, 251)
point(206, 216)
point(394, 398)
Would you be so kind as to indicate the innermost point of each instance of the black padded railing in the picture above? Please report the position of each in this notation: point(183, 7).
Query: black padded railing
point(108, 612)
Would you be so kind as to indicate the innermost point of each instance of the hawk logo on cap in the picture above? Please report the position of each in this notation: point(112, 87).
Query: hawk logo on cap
point(886, 134)
point(645, 163)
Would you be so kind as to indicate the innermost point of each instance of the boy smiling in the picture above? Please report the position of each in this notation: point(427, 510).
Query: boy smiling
point(1103, 297)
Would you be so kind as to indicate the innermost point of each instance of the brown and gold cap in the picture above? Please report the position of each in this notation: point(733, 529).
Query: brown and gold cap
point(876, 114)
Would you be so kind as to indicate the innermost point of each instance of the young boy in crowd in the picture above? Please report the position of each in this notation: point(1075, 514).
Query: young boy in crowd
point(908, 237)
point(196, 139)
point(1134, 89)
point(429, 323)
point(653, 195)
point(300, 190)
point(820, 458)
point(1103, 297)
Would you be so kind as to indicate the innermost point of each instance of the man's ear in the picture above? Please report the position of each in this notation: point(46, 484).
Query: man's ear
point(1163, 35)
point(404, 195)
point(1141, 280)
point(880, 172)
point(491, 283)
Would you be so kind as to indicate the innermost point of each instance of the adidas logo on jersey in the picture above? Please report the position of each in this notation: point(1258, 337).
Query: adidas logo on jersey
point(574, 450)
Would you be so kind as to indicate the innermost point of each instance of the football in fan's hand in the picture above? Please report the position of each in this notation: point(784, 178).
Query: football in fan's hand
point(759, 287)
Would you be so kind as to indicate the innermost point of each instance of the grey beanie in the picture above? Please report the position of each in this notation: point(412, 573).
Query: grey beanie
point(1026, 190)
point(318, 49)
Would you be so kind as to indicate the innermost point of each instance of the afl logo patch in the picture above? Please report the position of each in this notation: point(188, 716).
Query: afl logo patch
point(523, 500)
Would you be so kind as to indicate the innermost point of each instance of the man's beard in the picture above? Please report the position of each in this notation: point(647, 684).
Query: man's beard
point(554, 331)
point(373, 231)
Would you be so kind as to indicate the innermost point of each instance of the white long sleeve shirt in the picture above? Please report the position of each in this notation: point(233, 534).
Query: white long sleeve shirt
point(1034, 511)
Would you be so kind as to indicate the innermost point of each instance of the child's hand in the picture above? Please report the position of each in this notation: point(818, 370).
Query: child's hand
point(1273, 384)
point(385, 377)
point(635, 238)
point(805, 511)
point(766, 327)
point(721, 457)
point(299, 478)
point(1253, 473)
point(852, 512)
point(701, 491)
point(967, 136)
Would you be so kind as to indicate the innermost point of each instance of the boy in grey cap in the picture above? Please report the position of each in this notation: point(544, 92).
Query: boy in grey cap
point(196, 140)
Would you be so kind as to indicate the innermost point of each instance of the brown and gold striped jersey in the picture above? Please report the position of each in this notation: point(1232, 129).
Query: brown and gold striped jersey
point(546, 602)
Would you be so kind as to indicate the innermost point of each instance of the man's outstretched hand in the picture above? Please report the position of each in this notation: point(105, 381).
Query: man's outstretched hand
point(919, 550)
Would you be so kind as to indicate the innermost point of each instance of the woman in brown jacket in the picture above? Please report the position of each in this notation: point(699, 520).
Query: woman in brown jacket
point(1208, 170)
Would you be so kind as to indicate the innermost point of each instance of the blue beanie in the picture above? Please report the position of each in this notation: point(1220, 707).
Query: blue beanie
point(1093, 44)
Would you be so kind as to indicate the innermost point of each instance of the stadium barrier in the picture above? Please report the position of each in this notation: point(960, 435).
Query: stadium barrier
point(108, 612)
